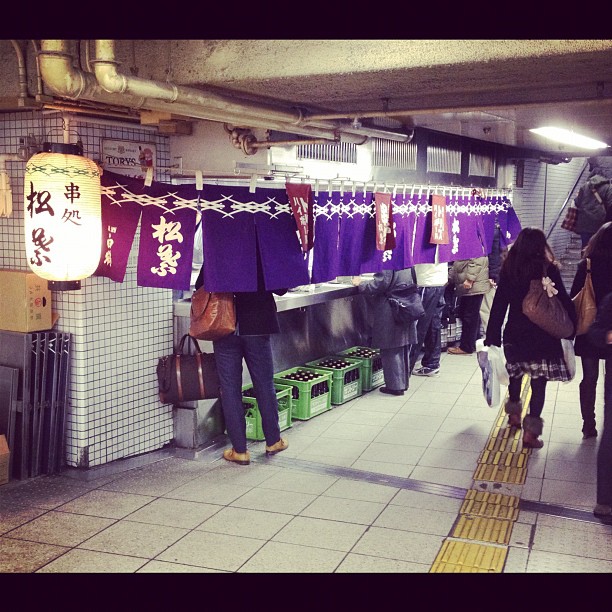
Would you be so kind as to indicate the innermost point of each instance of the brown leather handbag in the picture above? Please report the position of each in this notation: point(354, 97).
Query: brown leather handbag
point(584, 301)
point(542, 307)
point(184, 377)
point(212, 316)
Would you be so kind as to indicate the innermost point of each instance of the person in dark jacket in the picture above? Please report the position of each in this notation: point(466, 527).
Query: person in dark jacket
point(495, 258)
point(256, 319)
point(600, 335)
point(471, 278)
point(528, 349)
point(599, 252)
point(393, 339)
point(594, 204)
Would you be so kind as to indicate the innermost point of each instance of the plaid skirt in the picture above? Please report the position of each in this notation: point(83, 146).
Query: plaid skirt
point(551, 369)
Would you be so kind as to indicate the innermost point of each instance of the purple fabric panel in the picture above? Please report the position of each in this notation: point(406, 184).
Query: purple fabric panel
point(466, 233)
point(119, 224)
point(326, 254)
point(401, 257)
point(284, 264)
point(166, 247)
point(356, 222)
point(488, 223)
point(228, 237)
point(510, 229)
point(423, 251)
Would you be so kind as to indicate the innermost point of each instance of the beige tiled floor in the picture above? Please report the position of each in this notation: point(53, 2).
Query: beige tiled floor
point(372, 486)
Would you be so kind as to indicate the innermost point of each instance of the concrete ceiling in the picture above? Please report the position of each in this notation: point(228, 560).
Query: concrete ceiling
point(490, 90)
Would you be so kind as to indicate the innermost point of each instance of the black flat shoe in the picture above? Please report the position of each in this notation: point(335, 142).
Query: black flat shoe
point(391, 391)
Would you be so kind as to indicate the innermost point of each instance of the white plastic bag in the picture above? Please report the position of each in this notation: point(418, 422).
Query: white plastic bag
point(570, 357)
point(492, 362)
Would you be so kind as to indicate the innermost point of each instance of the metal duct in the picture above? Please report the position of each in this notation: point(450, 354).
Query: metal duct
point(110, 87)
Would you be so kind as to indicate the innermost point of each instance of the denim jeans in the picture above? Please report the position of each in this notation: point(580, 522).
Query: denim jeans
point(604, 453)
point(587, 389)
point(257, 353)
point(429, 329)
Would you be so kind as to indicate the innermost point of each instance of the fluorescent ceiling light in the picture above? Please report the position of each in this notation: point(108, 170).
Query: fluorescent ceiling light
point(569, 138)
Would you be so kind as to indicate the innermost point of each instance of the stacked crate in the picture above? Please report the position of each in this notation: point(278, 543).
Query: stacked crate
point(371, 366)
point(310, 390)
point(346, 376)
point(254, 429)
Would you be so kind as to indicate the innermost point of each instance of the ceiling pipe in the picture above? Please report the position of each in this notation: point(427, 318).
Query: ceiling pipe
point(23, 77)
point(64, 79)
point(315, 117)
point(105, 69)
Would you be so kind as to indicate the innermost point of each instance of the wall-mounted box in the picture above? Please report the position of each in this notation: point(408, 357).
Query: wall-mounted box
point(25, 302)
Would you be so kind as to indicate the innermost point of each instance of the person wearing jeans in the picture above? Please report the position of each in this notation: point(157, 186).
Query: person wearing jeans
point(432, 279)
point(600, 335)
point(256, 319)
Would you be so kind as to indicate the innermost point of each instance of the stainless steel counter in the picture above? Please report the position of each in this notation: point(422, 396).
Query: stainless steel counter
point(292, 299)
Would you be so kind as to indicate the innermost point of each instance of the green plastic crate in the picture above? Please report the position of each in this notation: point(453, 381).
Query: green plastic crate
point(254, 429)
point(346, 381)
point(309, 398)
point(371, 367)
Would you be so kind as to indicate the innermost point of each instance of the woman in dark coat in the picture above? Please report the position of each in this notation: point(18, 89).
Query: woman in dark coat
point(529, 350)
point(600, 335)
point(599, 251)
point(391, 338)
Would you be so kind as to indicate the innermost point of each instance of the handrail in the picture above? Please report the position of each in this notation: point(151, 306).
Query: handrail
point(567, 199)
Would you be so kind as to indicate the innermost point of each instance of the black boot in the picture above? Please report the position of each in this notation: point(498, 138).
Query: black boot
point(587, 409)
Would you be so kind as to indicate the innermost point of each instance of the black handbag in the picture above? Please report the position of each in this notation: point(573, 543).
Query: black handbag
point(406, 304)
point(184, 377)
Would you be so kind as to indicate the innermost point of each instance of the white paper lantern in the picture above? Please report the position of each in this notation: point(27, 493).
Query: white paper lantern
point(62, 212)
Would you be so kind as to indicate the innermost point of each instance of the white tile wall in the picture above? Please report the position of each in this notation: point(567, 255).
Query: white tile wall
point(119, 330)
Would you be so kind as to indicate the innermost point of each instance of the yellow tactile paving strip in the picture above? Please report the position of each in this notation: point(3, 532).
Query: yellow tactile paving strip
point(480, 537)
point(463, 557)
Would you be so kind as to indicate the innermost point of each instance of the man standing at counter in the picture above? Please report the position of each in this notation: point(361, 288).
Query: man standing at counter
point(391, 338)
point(256, 319)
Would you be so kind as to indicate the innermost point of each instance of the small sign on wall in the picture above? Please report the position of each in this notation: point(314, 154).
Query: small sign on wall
point(127, 157)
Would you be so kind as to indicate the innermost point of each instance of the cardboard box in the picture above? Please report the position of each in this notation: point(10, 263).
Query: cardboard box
point(5, 455)
point(25, 302)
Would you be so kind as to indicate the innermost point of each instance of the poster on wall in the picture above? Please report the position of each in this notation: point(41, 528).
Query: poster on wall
point(127, 157)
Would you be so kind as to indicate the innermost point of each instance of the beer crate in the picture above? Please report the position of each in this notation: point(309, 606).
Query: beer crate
point(254, 429)
point(371, 365)
point(346, 376)
point(310, 396)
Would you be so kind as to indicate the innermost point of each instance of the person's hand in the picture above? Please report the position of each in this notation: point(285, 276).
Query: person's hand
point(609, 337)
point(356, 280)
point(493, 283)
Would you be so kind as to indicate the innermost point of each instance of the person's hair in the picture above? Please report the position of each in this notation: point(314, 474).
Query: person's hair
point(528, 256)
point(600, 244)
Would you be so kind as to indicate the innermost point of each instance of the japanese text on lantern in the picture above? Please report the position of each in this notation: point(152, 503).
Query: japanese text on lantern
point(166, 233)
point(39, 202)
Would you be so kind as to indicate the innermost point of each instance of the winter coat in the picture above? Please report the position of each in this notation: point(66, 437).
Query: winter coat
point(591, 213)
point(386, 333)
point(522, 339)
point(601, 276)
point(476, 270)
point(495, 256)
point(598, 332)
